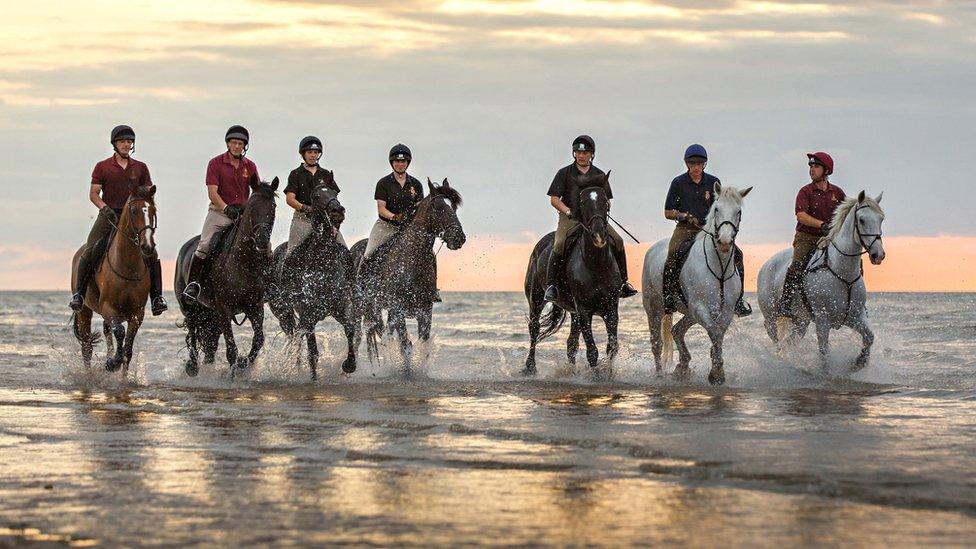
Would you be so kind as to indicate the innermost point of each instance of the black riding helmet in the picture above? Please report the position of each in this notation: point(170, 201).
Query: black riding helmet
point(400, 152)
point(310, 143)
point(237, 132)
point(123, 132)
point(584, 143)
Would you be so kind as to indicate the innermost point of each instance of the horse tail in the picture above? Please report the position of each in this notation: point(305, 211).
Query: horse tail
point(551, 321)
point(667, 339)
point(783, 326)
point(93, 338)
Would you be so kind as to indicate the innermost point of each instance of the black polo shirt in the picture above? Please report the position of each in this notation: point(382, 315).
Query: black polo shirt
point(569, 182)
point(695, 198)
point(301, 182)
point(399, 199)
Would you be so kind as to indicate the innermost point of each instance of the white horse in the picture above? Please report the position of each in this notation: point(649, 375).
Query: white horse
point(832, 294)
point(710, 283)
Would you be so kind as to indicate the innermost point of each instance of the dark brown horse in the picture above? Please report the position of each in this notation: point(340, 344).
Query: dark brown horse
point(317, 281)
point(400, 277)
point(120, 286)
point(235, 282)
point(591, 285)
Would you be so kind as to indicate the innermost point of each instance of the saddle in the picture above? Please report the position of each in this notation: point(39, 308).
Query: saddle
point(220, 245)
point(680, 257)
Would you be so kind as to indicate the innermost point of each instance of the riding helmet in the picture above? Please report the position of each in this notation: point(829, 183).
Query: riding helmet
point(122, 132)
point(823, 159)
point(696, 150)
point(237, 132)
point(400, 152)
point(584, 143)
point(310, 143)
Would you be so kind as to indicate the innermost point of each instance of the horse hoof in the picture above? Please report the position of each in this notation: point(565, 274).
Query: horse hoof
point(682, 372)
point(242, 363)
point(716, 378)
point(529, 371)
point(859, 364)
point(349, 365)
point(112, 365)
point(191, 368)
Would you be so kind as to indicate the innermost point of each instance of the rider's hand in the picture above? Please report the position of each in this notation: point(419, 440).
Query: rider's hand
point(305, 209)
point(569, 214)
point(109, 213)
point(825, 227)
point(233, 211)
point(398, 218)
point(692, 220)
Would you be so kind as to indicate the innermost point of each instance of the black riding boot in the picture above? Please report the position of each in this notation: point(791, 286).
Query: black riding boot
point(741, 307)
point(552, 270)
point(81, 285)
point(620, 255)
point(156, 300)
point(790, 285)
point(669, 286)
point(192, 290)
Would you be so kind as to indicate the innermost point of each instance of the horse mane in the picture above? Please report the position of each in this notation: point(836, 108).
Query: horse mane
point(264, 189)
point(845, 208)
point(141, 192)
point(449, 193)
point(729, 192)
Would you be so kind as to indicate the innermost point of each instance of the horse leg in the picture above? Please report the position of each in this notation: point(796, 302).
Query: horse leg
point(611, 321)
point(313, 352)
point(109, 341)
point(131, 329)
point(716, 376)
point(535, 309)
point(230, 346)
point(83, 332)
point(349, 326)
point(823, 341)
point(684, 357)
point(424, 319)
point(398, 324)
point(257, 341)
point(191, 366)
point(572, 342)
point(115, 362)
point(861, 326)
point(586, 327)
point(654, 328)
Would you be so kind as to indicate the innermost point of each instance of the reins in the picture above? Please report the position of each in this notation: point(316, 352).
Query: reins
point(134, 238)
point(728, 270)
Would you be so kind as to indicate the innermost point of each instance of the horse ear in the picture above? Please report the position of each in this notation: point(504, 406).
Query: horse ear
point(431, 186)
point(745, 192)
point(878, 200)
point(152, 191)
point(274, 184)
point(608, 175)
point(860, 197)
point(446, 184)
point(718, 187)
point(253, 181)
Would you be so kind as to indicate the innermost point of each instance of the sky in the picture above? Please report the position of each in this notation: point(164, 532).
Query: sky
point(490, 95)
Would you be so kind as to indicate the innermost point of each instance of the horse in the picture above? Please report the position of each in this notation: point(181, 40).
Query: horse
point(317, 281)
point(118, 294)
point(709, 281)
point(591, 286)
point(400, 277)
point(238, 276)
point(833, 292)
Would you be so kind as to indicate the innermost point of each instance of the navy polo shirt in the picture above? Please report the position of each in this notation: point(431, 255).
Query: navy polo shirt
point(695, 198)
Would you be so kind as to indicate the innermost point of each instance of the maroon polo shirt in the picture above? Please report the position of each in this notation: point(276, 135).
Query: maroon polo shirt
point(117, 183)
point(231, 182)
point(817, 203)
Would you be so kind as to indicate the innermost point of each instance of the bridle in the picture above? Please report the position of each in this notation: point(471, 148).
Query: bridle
point(728, 270)
point(588, 226)
point(865, 248)
point(133, 235)
point(254, 226)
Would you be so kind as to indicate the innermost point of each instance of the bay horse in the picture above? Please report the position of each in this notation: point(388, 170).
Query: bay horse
point(709, 281)
point(317, 281)
point(120, 285)
point(400, 276)
point(833, 293)
point(235, 282)
point(591, 287)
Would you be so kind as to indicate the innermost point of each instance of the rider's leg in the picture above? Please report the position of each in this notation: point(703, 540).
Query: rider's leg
point(301, 227)
point(381, 232)
point(671, 284)
point(156, 300)
point(620, 255)
point(804, 245)
point(554, 265)
point(741, 307)
point(89, 258)
point(211, 224)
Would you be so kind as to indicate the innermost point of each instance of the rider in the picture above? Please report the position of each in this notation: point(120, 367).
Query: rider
point(689, 199)
point(564, 197)
point(298, 192)
point(113, 179)
point(228, 175)
point(397, 196)
point(815, 205)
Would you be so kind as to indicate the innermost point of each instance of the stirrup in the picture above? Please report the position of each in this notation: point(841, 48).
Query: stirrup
point(159, 305)
point(742, 308)
point(77, 301)
point(626, 290)
point(192, 290)
point(551, 293)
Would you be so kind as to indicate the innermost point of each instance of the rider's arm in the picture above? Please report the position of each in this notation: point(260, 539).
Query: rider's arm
point(809, 220)
point(292, 201)
point(381, 209)
point(558, 204)
point(672, 203)
point(675, 215)
point(215, 198)
point(95, 195)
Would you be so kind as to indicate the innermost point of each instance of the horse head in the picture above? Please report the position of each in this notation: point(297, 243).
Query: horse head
point(725, 215)
point(594, 209)
point(258, 218)
point(438, 214)
point(139, 219)
point(326, 207)
point(865, 216)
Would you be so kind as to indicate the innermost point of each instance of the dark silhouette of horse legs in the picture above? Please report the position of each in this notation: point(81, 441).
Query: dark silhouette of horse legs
point(572, 342)
point(256, 316)
point(397, 323)
point(81, 326)
point(115, 362)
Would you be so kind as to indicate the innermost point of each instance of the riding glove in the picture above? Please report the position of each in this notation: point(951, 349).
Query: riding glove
point(233, 211)
point(109, 213)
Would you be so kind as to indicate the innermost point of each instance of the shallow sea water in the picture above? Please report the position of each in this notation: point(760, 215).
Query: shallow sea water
point(467, 452)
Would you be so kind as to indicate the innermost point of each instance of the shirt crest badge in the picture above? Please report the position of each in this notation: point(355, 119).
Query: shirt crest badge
point(413, 192)
point(708, 195)
point(244, 172)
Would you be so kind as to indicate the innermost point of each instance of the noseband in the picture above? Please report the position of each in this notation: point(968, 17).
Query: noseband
point(726, 271)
